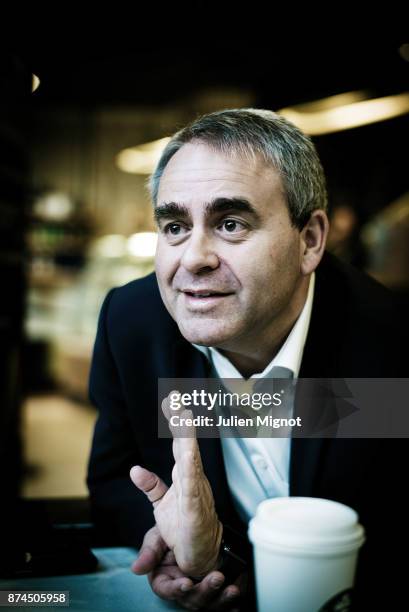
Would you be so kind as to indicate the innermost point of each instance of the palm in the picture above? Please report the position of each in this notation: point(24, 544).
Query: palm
point(167, 567)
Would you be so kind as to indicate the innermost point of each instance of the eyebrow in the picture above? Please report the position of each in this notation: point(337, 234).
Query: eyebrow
point(173, 210)
point(170, 210)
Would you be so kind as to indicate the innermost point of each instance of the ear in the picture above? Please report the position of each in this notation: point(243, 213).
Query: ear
point(313, 240)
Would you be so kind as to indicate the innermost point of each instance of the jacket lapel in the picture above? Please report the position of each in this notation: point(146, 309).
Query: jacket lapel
point(306, 457)
point(320, 360)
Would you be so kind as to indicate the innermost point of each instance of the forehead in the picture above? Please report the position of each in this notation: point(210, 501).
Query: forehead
point(198, 171)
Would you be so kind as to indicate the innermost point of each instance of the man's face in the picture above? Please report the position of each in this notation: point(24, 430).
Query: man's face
point(225, 230)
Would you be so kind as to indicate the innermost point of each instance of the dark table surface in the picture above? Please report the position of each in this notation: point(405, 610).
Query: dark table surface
point(112, 587)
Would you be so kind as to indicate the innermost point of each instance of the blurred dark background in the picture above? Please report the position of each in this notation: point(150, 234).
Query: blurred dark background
point(73, 223)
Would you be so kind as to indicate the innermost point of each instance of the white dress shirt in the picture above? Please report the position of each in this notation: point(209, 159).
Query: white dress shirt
point(258, 468)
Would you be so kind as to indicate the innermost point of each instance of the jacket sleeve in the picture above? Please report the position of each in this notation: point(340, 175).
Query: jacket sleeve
point(121, 514)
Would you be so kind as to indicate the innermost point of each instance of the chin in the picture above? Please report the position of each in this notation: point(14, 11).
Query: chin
point(203, 336)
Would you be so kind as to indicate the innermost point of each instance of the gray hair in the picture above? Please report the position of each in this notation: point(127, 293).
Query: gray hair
point(251, 132)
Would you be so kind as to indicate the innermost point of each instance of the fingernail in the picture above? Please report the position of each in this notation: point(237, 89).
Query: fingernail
point(216, 583)
point(185, 587)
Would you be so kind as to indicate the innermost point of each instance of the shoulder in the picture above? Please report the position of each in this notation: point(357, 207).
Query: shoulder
point(359, 293)
point(142, 290)
point(137, 308)
point(357, 321)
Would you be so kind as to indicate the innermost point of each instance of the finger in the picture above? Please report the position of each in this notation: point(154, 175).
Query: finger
point(151, 553)
point(190, 472)
point(229, 597)
point(148, 482)
point(210, 595)
point(186, 478)
point(185, 445)
point(175, 479)
point(184, 439)
point(169, 560)
point(192, 485)
point(171, 404)
point(166, 586)
point(207, 591)
point(182, 427)
point(184, 591)
point(232, 593)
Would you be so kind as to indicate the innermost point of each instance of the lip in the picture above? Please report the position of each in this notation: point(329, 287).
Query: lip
point(202, 304)
point(204, 291)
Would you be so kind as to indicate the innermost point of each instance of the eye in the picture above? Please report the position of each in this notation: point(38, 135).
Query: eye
point(232, 226)
point(174, 229)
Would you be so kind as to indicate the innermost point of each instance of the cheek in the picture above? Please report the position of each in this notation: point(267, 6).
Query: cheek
point(285, 252)
point(268, 270)
point(164, 262)
point(284, 269)
point(258, 264)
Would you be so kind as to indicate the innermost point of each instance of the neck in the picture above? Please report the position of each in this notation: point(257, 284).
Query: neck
point(249, 364)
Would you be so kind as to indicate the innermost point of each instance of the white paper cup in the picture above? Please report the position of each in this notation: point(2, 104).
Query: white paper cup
point(305, 553)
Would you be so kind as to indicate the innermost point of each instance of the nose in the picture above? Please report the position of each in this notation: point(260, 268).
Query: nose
point(199, 253)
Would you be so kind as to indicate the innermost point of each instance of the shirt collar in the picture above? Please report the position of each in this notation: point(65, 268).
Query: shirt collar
point(289, 356)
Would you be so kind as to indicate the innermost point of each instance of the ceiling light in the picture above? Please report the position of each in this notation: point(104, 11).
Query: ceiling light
point(111, 245)
point(142, 244)
point(35, 83)
point(404, 51)
point(143, 158)
point(344, 112)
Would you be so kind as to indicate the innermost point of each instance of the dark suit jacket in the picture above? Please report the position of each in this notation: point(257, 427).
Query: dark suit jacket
point(355, 331)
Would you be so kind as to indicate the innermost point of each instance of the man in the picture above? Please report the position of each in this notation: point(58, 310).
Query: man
point(242, 286)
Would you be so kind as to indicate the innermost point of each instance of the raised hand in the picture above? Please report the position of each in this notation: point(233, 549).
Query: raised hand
point(185, 513)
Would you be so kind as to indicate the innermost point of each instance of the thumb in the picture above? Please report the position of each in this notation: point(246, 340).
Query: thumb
point(153, 486)
point(151, 553)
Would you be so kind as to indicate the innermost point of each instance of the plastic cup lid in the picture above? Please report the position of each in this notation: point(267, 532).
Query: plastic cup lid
point(306, 523)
